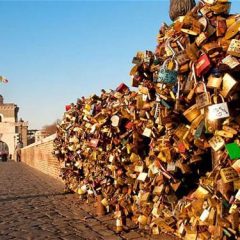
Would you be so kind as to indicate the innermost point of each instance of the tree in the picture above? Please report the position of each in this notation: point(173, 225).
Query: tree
point(50, 129)
point(180, 8)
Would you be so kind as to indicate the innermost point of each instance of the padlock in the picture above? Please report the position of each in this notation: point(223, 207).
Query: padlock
point(203, 99)
point(228, 175)
point(188, 84)
point(168, 76)
point(214, 81)
point(218, 110)
point(194, 83)
point(192, 52)
point(205, 10)
point(203, 65)
point(210, 30)
point(233, 150)
point(231, 62)
point(210, 2)
point(181, 57)
point(183, 69)
point(191, 113)
point(68, 107)
point(221, 26)
point(221, 8)
point(201, 39)
point(191, 26)
point(233, 28)
point(204, 22)
point(234, 48)
point(136, 80)
point(229, 85)
point(115, 119)
point(212, 49)
point(217, 143)
point(122, 88)
point(137, 60)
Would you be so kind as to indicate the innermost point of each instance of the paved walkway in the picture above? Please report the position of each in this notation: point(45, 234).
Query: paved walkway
point(33, 206)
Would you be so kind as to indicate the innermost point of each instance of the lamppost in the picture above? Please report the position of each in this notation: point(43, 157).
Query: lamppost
point(20, 134)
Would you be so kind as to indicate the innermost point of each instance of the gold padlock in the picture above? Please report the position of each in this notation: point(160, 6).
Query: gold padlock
point(201, 39)
point(192, 52)
point(233, 27)
point(221, 8)
point(211, 48)
point(214, 81)
point(229, 84)
point(203, 99)
point(191, 113)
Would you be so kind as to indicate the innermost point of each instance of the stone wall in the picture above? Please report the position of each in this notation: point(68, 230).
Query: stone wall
point(7, 134)
point(39, 156)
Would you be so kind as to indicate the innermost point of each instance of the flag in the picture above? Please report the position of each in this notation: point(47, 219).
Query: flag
point(3, 79)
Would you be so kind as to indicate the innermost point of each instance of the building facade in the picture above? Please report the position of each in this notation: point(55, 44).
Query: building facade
point(40, 135)
point(12, 131)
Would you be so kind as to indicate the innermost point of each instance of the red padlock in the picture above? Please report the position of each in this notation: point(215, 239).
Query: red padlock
point(203, 65)
point(67, 107)
point(122, 88)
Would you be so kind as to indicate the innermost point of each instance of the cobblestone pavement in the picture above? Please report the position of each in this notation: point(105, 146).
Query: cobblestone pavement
point(33, 206)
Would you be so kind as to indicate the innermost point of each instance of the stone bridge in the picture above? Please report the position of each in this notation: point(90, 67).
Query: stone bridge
point(33, 205)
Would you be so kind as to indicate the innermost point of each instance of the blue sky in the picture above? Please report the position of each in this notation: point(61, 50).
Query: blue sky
point(53, 52)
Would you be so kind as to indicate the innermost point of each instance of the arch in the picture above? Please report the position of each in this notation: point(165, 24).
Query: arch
point(4, 151)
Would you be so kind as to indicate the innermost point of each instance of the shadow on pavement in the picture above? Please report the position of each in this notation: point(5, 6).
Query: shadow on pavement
point(30, 197)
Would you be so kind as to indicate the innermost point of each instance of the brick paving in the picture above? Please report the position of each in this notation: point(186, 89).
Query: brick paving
point(33, 206)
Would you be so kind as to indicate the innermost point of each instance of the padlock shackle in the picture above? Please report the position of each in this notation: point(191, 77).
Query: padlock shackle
point(178, 89)
point(204, 85)
point(171, 59)
point(178, 42)
point(169, 46)
point(205, 27)
point(217, 95)
point(194, 73)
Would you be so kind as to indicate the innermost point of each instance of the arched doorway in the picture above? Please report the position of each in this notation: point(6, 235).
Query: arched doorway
point(4, 151)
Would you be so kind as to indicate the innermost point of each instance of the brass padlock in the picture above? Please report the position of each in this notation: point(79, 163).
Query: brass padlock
point(203, 99)
point(188, 84)
point(233, 28)
point(182, 58)
point(201, 39)
point(212, 48)
point(194, 83)
point(221, 8)
point(229, 85)
point(192, 52)
point(191, 113)
point(234, 48)
point(214, 81)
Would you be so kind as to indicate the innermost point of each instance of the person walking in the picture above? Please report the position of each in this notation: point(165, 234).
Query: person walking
point(18, 152)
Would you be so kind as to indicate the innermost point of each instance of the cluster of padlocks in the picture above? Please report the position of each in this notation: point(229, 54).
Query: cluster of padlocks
point(166, 155)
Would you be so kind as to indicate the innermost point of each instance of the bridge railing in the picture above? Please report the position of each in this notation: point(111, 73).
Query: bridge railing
point(39, 156)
